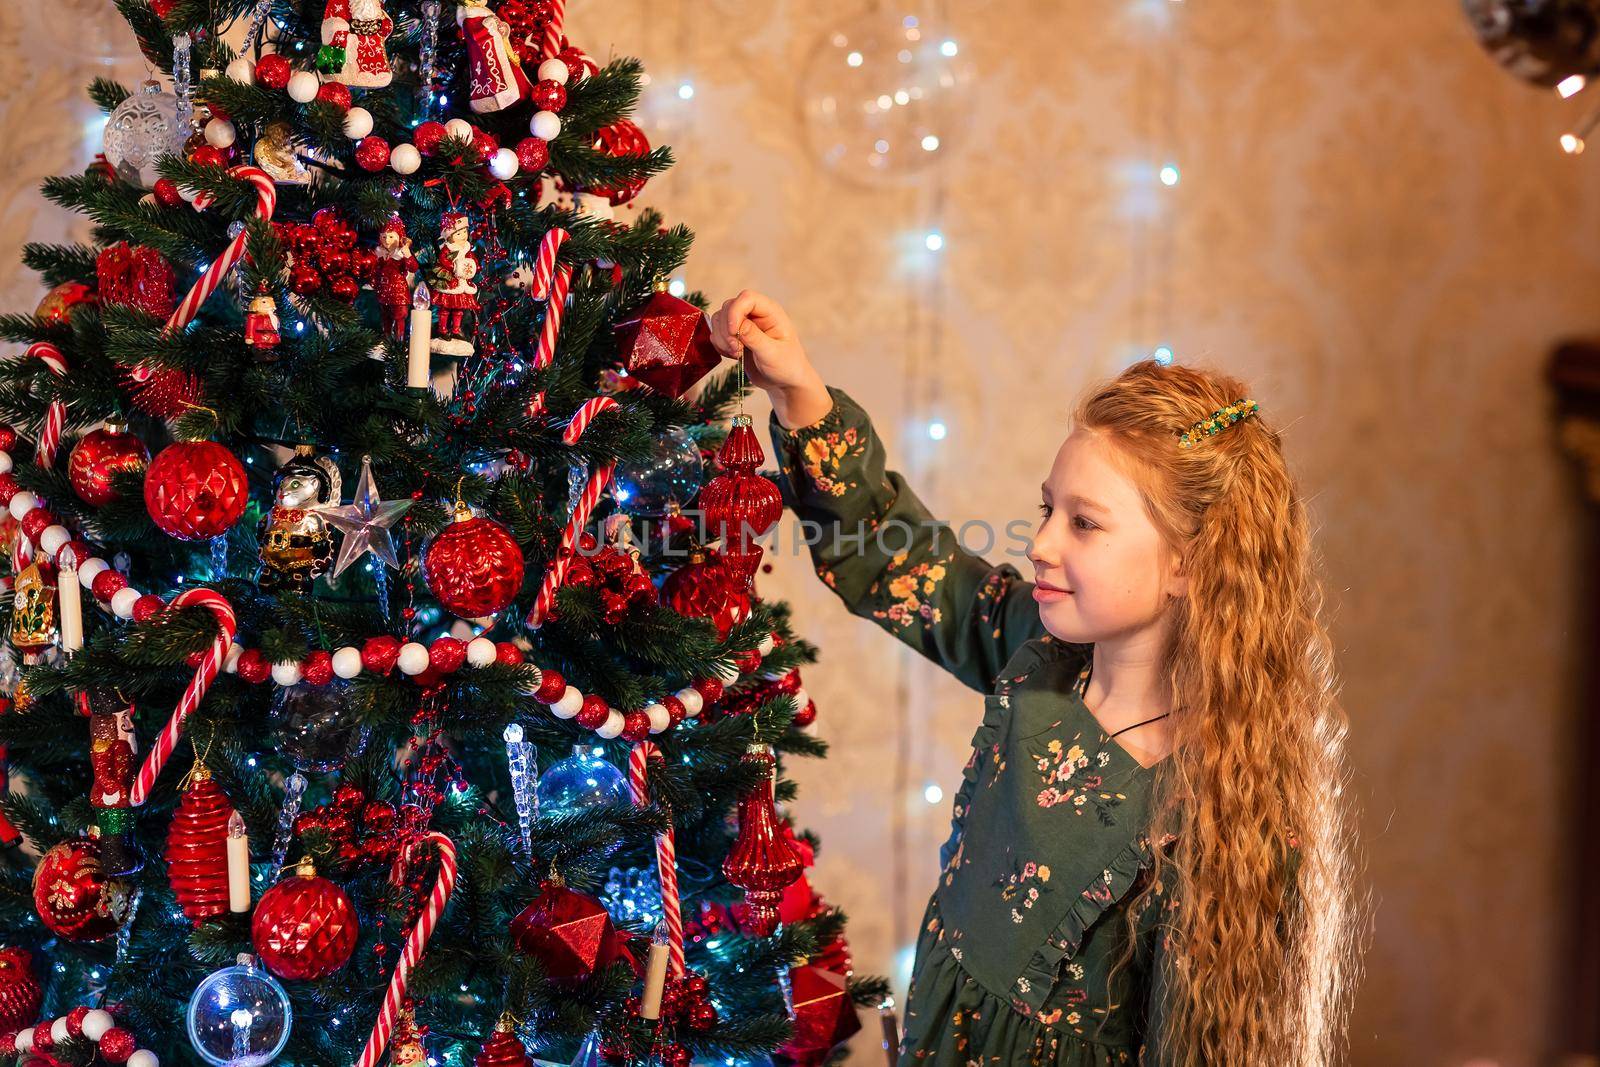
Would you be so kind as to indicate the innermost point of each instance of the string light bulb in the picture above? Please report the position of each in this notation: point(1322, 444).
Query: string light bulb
point(1571, 86)
point(1170, 175)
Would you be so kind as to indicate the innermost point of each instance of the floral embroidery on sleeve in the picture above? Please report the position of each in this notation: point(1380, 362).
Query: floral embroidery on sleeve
point(912, 592)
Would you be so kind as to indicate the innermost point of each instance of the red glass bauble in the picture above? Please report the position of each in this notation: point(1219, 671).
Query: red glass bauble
point(56, 307)
point(473, 567)
point(20, 994)
point(569, 932)
point(195, 490)
point(761, 861)
point(739, 507)
point(137, 277)
point(304, 927)
point(197, 848)
point(304, 279)
point(372, 153)
point(74, 898)
point(666, 344)
point(824, 1014)
point(273, 71)
point(100, 455)
point(622, 139)
point(703, 588)
point(503, 1049)
point(344, 288)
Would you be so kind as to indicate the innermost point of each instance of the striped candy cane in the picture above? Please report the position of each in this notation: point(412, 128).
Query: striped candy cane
point(552, 282)
point(211, 280)
point(666, 852)
point(204, 675)
point(552, 29)
point(55, 418)
point(416, 941)
point(580, 514)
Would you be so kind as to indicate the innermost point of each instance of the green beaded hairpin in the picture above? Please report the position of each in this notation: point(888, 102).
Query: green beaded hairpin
point(1220, 420)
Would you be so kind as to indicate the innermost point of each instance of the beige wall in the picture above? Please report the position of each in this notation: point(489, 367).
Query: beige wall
point(1374, 227)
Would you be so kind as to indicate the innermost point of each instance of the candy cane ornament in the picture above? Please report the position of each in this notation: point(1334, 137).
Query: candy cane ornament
point(552, 282)
point(55, 417)
point(587, 501)
point(552, 28)
point(639, 758)
point(416, 941)
point(204, 675)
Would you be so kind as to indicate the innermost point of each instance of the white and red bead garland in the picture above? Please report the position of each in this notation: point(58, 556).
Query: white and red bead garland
point(95, 1025)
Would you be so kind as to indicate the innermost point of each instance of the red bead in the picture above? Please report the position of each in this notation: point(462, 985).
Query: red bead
point(107, 583)
point(551, 686)
point(253, 666)
point(116, 1045)
point(549, 95)
point(304, 279)
point(447, 655)
point(635, 726)
point(335, 93)
point(8, 1043)
point(8, 488)
point(427, 137)
point(533, 153)
point(273, 71)
point(806, 715)
point(379, 653)
point(167, 194)
point(507, 653)
point(318, 668)
point(675, 709)
point(747, 662)
point(75, 1021)
point(594, 713)
point(208, 156)
point(148, 607)
point(344, 288)
point(8, 439)
point(710, 689)
point(372, 153)
point(485, 142)
point(42, 1039)
point(34, 522)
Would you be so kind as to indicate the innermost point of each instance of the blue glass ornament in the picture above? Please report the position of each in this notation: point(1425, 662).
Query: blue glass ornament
point(583, 780)
point(589, 1054)
point(671, 472)
point(240, 1016)
point(633, 895)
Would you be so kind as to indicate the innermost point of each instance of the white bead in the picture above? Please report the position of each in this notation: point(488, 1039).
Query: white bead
point(613, 725)
point(303, 86)
point(58, 1029)
point(660, 717)
point(5, 461)
point(24, 1040)
point(287, 673)
point(553, 70)
point(347, 662)
point(143, 1058)
point(532, 679)
point(460, 129)
point(230, 662)
point(504, 164)
point(357, 123)
point(725, 671)
point(692, 700)
point(52, 538)
point(767, 645)
point(90, 569)
point(801, 699)
point(124, 600)
point(405, 159)
point(545, 125)
point(569, 705)
point(96, 1023)
point(220, 133)
point(413, 658)
point(242, 71)
point(481, 652)
point(22, 503)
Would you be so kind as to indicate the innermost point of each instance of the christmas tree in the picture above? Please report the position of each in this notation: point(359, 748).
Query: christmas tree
point(477, 760)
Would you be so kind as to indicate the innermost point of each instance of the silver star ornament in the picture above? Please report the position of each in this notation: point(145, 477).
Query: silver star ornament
point(365, 523)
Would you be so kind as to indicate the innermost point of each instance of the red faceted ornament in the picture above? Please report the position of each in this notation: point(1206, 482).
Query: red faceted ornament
point(703, 588)
point(20, 993)
point(197, 847)
point(305, 927)
point(824, 1014)
point(620, 140)
point(761, 861)
point(195, 490)
point(569, 932)
point(137, 276)
point(666, 344)
point(56, 307)
point(473, 567)
point(73, 896)
point(503, 1049)
point(100, 455)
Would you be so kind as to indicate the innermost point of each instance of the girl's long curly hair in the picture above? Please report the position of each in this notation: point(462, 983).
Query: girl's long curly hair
point(1260, 966)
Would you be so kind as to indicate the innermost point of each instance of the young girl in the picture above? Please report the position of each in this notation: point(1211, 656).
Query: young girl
point(1151, 856)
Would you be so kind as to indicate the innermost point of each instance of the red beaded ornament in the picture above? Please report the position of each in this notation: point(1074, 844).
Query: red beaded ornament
point(473, 566)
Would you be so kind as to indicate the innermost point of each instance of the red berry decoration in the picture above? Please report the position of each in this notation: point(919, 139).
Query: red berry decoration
point(74, 898)
point(372, 153)
point(703, 588)
point(197, 847)
point(273, 71)
point(667, 344)
point(137, 277)
point(473, 567)
point(99, 456)
point(195, 490)
point(208, 156)
point(305, 927)
point(20, 993)
point(503, 1049)
point(569, 932)
point(533, 153)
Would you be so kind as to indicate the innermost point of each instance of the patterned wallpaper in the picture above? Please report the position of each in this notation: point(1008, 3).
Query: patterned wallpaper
point(1373, 226)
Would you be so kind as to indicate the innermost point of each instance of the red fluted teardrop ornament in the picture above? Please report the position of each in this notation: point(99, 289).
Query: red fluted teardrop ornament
point(503, 1049)
point(761, 861)
point(197, 847)
point(740, 505)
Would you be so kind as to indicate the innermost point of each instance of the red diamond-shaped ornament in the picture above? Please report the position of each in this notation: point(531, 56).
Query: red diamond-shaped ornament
point(667, 344)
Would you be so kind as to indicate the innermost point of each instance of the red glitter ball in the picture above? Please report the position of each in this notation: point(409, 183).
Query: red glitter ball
point(335, 93)
point(116, 1045)
point(273, 71)
point(594, 712)
point(372, 153)
point(318, 668)
point(107, 584)
point(551, 686)
point(379, 653)
point(253, 667)
point(148, 607)
point(427, 137)
point(446, 655)
point(507, 653)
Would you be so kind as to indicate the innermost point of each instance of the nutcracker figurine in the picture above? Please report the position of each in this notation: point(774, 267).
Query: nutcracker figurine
point(497, 78)
point(397, 269)
point(454, 293)
point(261, 324)
point(111, 758)
point(296, 543)
point(353, 36)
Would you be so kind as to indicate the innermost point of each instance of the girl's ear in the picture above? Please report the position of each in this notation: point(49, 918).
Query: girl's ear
point(1177, 579)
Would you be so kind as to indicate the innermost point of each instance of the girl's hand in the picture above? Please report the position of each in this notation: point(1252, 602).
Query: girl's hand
point(753, 322)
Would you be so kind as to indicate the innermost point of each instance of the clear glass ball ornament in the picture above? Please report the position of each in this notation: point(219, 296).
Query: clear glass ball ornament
point(240, 1016)
point(141, 130)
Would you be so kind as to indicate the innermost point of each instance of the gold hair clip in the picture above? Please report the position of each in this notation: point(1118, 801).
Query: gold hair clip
point(1220, 420)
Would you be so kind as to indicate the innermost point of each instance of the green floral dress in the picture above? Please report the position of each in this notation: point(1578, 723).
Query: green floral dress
point(1047, 844)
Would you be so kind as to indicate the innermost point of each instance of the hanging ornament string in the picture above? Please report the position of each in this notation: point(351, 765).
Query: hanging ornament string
point(204, 675)
point(639, 758)
point(552, 281)
point(586, 504)
point(211, 280)
point(55, 417)
point(416, 941)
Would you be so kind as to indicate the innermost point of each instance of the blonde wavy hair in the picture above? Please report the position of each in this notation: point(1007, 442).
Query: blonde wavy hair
point(1260, 967)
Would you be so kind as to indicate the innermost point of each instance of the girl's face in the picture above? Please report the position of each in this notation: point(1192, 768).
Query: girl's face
point(1101, 567)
